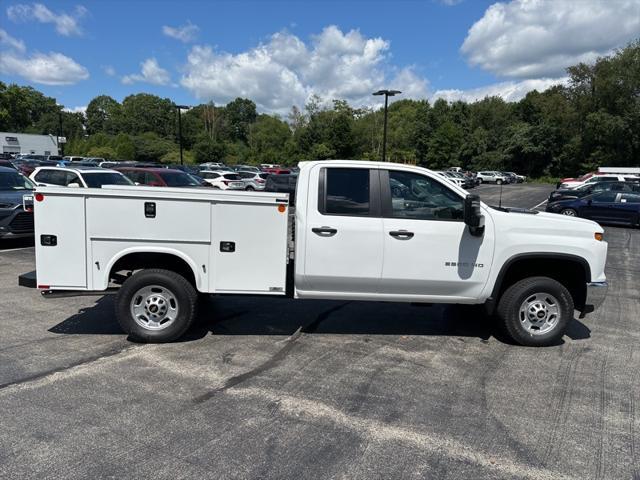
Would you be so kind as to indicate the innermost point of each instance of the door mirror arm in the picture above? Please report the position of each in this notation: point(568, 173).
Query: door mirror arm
point(473, 217)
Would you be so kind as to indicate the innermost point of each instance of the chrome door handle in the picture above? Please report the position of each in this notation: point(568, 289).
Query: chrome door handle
point(401, 234)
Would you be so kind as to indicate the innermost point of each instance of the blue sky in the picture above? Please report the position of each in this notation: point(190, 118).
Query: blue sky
point(279, 53)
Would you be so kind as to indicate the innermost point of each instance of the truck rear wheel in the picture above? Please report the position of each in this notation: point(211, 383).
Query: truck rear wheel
point(156, 306)
point(535, 311)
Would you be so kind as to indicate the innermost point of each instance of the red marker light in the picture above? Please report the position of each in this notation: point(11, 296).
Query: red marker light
point(39, 197)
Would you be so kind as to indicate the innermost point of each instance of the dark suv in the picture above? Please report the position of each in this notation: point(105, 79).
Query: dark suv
point(283, 183)
point(588, 189)
point(14, 220)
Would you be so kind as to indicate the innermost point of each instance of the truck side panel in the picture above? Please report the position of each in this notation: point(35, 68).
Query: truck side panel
point(61, 265)
point(249, 248)
point(118, 226)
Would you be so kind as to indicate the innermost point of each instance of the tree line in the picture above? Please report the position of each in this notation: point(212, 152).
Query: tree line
point(591, 121)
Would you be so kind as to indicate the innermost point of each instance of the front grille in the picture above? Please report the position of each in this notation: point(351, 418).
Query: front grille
point(23, 222)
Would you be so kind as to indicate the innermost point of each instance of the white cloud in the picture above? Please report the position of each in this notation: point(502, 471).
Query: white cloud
point(109, 70)
point(185, 33)
point(510, 91)
point(66, 24)
point(11, 42)
point(541, 38)
point(286, 71)
point(46, 68)
point(151, 72)
point(80, 109)
point(450, 3)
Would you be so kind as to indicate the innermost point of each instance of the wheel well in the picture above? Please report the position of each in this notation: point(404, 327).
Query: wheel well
point(570, 272)
point(141, 260)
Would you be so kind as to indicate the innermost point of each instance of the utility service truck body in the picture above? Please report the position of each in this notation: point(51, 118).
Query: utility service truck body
point(359, 231)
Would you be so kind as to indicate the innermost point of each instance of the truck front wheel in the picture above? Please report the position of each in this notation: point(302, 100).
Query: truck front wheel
point(156, 306)
point(535, 311)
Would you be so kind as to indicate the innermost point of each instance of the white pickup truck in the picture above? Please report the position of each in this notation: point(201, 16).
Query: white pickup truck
point(360, 231)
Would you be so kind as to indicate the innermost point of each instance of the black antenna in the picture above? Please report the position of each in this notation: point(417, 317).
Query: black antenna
point(500, 201)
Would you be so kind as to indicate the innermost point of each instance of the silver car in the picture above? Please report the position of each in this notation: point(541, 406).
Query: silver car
point(253, 180)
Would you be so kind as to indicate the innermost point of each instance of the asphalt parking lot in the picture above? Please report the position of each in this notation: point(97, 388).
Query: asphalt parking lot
point(273, 388)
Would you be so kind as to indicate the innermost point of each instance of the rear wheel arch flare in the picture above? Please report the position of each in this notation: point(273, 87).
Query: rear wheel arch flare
point(135, 259)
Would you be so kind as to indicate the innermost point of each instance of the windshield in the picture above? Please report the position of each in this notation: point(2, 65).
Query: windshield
point(97, 180)
point(15, 181)
point(178, 179)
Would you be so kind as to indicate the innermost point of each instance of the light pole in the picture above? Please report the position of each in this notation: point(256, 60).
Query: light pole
point(180, 107)
point(60, 150)
point(387, 94)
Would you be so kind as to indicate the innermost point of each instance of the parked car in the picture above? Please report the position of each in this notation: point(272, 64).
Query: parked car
point(159, 177)
point(7, 164)
point(223, 180)
point(78, 177)
point(620, 208)
point(14, 220)
point(285, 183)
point(518, 178)
point(588, 189)
point(26, 167)
point(600, 178)
point(277, 171)
point(253, 180)
point(73, 158)
point(246, 168)
point(491, 177)
point(467, 182)
point(54, 158)
point(452, 178)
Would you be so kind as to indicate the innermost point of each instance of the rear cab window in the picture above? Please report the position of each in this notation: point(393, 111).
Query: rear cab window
point(345, 191)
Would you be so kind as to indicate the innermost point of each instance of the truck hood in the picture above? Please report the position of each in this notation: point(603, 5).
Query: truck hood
point(543, 221)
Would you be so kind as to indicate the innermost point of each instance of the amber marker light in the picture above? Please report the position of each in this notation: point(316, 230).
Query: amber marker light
point(598, 236)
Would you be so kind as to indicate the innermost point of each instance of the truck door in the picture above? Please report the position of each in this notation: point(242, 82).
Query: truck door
point(428, 250)
point(343, 247)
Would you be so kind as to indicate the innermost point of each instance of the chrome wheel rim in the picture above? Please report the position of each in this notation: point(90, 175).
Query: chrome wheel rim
point(539, 313)
point(154, 307)
point(569, 212)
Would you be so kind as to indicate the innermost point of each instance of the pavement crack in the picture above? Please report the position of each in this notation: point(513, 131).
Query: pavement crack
point(85, 361)
point(274, 360)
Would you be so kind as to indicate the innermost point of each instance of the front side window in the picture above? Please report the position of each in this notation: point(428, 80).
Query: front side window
point(418, 197)
point(347, 191)
point(604, 197)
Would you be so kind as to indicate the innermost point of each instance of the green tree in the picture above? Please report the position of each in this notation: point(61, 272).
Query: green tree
point(143, 113)
point(240, 114)
point(207, 150)
point(445, 146)
point(104, 114)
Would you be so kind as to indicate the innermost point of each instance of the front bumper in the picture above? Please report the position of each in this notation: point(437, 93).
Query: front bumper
point(596, 293)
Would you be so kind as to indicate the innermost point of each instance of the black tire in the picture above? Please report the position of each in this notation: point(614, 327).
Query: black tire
point(184, 295)
point(479, 181)
point(249, 188)
point(569, 212)
point(514, 298)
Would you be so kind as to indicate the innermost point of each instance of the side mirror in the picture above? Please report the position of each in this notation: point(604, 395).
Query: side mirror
point(74, 185)
point(473, 217)
point(589, 202)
